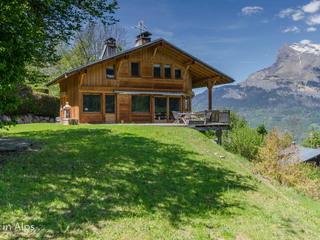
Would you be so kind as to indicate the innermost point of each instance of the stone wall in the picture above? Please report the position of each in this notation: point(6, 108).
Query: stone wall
point(30, 118)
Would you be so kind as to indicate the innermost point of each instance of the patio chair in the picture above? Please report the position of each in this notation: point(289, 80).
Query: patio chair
point(177, 117)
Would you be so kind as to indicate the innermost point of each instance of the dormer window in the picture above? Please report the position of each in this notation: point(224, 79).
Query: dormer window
point(156, 71)
point(110, 71)
point(135, 69)
point(177, 72)
point(167, 71)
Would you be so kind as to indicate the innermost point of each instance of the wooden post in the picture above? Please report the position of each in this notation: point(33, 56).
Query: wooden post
point(219, 133)
point(210, 86)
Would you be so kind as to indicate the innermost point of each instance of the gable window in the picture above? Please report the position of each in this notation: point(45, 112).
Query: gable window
point(177, 73)
point(110, 103)
point(156, 71)
point(167, 71)
point(135, 69)
point(140, 104)
point(110, 71)
point(91, 103)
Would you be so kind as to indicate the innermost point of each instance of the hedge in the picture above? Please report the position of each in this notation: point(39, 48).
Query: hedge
point(38, 104)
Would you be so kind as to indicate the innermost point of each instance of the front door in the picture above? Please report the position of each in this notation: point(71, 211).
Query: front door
point(160, 109)
point(124, 108)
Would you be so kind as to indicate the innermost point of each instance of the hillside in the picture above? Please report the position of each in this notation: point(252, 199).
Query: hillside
point(288, 88)
point(135, 182)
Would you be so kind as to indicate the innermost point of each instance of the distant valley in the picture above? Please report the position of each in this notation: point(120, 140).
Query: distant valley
point(288, 91)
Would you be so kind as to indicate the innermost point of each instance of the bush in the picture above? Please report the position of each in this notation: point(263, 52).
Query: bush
point(244, 141)
point(280, 161)
point(37, 104)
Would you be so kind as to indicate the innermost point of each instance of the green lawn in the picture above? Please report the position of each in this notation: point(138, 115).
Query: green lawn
point(135, 182)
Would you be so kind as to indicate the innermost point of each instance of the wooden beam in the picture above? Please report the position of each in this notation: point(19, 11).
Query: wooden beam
point(186, 71)
point(83, 75)
point(155, 51)
point(204, 81)
point(210, 85)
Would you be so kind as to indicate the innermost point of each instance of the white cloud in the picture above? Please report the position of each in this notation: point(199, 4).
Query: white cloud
point(305, 41)
point(311, 7)
point(285, 12)
point(314, 20)
point(298, 15)
point(311, 29)
point(163, 34)
point(291, 29)
point(265, 21)
point(248, 11)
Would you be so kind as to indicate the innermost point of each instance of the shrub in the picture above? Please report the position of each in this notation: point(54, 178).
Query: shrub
point(37, 104)
point(280, 161)
point(244, 141)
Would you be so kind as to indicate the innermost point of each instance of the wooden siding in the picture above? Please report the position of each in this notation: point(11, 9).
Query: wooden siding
point(141, 117)
point(95, 81)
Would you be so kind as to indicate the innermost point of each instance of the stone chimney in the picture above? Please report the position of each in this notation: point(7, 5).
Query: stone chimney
point(109, 49)
point(143, 38)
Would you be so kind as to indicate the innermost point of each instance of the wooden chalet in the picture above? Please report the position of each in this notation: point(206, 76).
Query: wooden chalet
point(142, 84)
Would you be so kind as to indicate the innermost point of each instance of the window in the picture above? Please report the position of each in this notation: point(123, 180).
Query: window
point(174, 105)
point(140, 104)
point(110, 71)
point(92, 103)
point(160, 108)
point(177, 72)
point(135, 69)
point(110, 104)
point(167, 71)
point(156, 71)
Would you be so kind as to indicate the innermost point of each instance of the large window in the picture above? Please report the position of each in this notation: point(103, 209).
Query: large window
point(160, 111)
point(140, 104)
point(174, 105)
point(110, 71)
point(135, 69)
point(110, 103)
point(156, 71)
point(91, 103)
point(177, 72)
point(167, 71)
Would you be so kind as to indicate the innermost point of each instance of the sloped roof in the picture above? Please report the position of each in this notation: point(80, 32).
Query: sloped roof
point(307, 154)
point(200, 71)
point(302, 154)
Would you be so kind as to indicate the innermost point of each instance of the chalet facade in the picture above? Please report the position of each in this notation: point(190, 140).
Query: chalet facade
point(143, 84)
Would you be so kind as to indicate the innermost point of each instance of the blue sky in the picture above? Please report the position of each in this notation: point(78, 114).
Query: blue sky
point(238, 37)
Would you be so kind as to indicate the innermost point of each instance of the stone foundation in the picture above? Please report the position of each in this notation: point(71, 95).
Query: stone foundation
point(30, 118)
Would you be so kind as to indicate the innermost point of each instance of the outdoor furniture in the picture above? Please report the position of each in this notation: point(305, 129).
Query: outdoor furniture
point(177, 117)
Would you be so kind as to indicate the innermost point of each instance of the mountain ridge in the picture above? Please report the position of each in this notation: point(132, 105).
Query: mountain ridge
point(291, 82)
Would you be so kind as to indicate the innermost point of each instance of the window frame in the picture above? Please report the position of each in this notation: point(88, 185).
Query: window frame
point(138, 69)
point(175, 74)
point(115, 103)
point(170, 77)
point(114, 73)
point(91, 94)
point(149, 111)
point(160, 72)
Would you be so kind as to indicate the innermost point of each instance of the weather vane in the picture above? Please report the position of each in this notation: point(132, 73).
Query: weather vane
point(141, 27)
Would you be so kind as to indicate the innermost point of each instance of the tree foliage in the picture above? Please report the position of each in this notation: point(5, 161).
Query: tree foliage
point(31, 29)
point(262, 130)
point(315, 136)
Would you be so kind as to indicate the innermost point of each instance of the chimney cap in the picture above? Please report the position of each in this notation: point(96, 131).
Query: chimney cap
point(110, 40)
point(144, 34)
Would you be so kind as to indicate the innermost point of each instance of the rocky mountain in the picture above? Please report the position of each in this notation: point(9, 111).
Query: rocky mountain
point(288, 89)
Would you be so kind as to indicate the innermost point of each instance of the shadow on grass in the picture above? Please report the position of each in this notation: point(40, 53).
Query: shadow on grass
point(85, 176)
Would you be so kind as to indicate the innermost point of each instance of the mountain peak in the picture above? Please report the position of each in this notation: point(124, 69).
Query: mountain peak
point(306, 48)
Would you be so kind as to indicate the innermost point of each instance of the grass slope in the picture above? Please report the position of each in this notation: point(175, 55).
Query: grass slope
point(135, 182)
